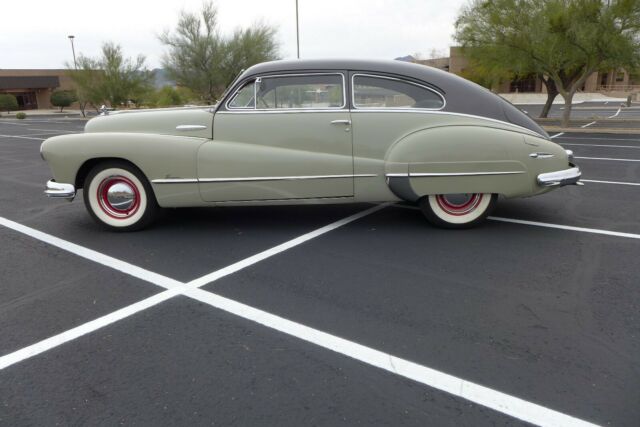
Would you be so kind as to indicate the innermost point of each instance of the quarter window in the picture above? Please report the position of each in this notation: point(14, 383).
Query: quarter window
point(319, 91)
point(380, 92)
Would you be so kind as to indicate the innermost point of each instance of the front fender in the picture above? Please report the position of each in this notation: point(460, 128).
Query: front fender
point(157, 156)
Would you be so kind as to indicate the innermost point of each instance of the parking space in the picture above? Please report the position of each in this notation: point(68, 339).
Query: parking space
point(294, 310)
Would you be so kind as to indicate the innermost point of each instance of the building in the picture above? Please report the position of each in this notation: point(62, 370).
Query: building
point(32, 88)
point(615, 82)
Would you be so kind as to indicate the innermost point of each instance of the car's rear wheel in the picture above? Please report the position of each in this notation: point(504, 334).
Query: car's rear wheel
point(457, 210)
point(119, 197)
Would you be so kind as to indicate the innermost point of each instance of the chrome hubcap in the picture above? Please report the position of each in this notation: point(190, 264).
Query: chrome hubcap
point(121, 196)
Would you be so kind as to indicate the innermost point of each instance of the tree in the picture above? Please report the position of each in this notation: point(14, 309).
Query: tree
point(562, 41)
point(8, 102)
point(63, 98)
point(203, 60)
point(111, 79)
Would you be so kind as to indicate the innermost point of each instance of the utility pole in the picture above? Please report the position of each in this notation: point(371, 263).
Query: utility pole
point(297, 31)
point(73, 49)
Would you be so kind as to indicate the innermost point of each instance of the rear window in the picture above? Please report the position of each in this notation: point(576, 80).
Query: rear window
point(386, 92)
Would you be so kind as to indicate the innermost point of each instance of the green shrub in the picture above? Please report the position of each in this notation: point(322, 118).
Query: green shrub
point(21, 115)
point(8, 102)
point(63, 98)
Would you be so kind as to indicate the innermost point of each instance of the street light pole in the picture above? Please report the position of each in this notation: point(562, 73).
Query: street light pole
point(297, 31)
point(73, 49)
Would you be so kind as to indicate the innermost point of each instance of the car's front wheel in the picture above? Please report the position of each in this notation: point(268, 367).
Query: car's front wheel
point(457, 210)
point(119, 197)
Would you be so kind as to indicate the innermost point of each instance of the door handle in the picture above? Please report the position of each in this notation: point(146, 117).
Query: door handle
point(341, 122)
point(190, 127)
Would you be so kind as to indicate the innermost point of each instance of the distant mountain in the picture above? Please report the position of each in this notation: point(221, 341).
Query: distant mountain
point(408, 58)
point(162, 78)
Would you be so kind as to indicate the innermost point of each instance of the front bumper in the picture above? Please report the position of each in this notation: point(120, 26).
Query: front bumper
point(560, 178)
point(60, 190)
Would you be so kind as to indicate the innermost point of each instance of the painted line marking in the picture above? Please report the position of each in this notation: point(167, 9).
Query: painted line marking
point(485, 396)
point(566, 227)
point(556, 135)
point(598, 139)
point(549, 225)
point(91, 255)
point(609, 182)
point(607, 158)
point(501, 402)
point(56, 130)
point(601, 145)
point(618, 112)
point(21, 137)
point(85, 328)
point(587, 125)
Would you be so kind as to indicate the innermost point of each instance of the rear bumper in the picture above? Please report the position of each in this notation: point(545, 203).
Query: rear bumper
point(60, 190)
point(560, 178)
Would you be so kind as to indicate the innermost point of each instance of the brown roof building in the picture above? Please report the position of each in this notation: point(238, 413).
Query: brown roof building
point(32, 88)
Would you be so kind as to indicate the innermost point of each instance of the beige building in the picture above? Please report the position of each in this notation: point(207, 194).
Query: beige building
point(616, 82)
point(32, 88)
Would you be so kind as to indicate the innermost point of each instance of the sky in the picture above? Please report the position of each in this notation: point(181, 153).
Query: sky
point(328, 28)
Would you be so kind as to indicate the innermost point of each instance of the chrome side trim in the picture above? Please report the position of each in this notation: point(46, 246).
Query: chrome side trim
point(560, 178)
point(260, 78)
point(353, 92)
point(437, 174)
point(190, 127)
point(256, 178)
point(282, 178)
point(60, 190)
point(541, 155)
point(175, 181)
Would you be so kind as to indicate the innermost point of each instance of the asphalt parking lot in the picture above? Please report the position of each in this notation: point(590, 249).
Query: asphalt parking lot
point(326, 315)
point(588, 110)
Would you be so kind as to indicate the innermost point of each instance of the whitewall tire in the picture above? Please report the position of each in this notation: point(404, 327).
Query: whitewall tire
point(458, 210)
point(119, 197)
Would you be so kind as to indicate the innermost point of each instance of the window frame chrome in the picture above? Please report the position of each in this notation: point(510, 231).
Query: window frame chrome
point(256, 79)
point(381, 76)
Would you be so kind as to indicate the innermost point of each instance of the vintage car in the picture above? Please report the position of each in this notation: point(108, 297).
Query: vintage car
point(314, 131)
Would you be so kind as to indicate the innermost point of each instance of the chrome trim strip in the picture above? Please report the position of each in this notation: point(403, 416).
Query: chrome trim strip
point(256, 178)
point(353, 92)
point(282, 178)
point(440, 174)
point(260, 78)
point(560, 178)
point(175, 181)
point(541, 155)
point(190, 127)
point(288, 111)
point(60, 190)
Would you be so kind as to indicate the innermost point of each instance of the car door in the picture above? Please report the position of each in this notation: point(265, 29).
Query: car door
point(278, 138)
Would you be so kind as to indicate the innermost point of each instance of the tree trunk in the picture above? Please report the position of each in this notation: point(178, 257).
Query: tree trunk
point(566, 114)
point(552, 93)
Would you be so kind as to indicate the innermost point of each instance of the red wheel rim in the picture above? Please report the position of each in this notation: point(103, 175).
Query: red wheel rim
point(464, 207)
point(118, 197)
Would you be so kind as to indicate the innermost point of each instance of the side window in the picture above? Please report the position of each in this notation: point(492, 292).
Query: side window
point(380, 92)
point(313, 91)
point(244, 98)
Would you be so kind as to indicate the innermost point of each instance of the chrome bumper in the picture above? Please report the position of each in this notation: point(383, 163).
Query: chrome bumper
point(60, 190)
point(558, 179)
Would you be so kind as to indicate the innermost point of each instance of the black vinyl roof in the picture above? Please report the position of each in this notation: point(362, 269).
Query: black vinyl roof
point(462, 96)
point(29, 82)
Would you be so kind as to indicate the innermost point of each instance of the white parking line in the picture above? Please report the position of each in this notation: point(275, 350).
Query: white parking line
point(601, 145)
point(485, 396)
point(618, 112)
point(56, 130)
point(548, 225)
point(501, 402)
point(556, 135)
point(91, 255)
point(566, 227)
point(607, 158)
point(21, 137)
point(598, 139)
point(587, 125)
point(609, 182)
